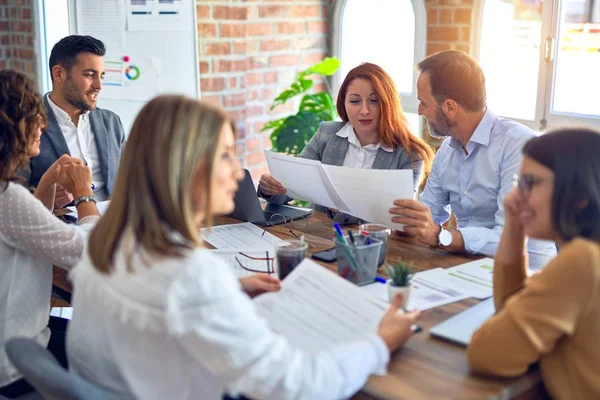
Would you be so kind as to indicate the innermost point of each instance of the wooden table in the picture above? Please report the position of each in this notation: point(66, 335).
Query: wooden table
point(426, 368)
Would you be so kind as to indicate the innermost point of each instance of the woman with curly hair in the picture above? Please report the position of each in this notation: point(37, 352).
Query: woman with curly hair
point(31, 238)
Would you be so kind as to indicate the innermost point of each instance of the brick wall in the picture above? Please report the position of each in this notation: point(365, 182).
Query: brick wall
point(450, 25)
point(249, 52)
point(17, 36)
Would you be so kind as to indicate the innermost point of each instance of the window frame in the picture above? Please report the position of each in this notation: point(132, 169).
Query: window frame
point(410, 103)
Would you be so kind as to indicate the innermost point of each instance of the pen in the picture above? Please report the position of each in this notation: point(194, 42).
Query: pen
point(380, 279)
point(93, 187)
point(351, 236)
point(415, 328)
point(338, 231)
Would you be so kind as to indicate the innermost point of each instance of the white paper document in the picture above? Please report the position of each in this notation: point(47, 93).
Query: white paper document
point(370, 193)
point(241, 236)
point(304, 180)
point(422, 297)
point(364, 193)
point(62, 312)
point(250, 261)
point(316, 309)
point(101, 205)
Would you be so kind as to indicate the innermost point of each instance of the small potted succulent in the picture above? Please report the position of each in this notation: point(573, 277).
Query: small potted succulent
point(399, 282)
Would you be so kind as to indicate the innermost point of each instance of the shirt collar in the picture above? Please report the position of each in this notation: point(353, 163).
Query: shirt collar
point(61, 115)
point(348, 132)
point(482, 133)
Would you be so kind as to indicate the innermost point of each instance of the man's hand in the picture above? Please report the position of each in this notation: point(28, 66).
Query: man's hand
point(270, 186)
point(417, 220)
point(259, 284)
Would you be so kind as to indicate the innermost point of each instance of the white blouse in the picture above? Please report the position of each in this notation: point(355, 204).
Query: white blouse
point(31, 241)
point(184, 329)
point(359, 156)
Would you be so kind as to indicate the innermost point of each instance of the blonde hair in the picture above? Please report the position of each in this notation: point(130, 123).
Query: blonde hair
point(172, 139)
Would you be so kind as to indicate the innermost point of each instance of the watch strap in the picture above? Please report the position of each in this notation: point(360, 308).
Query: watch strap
point(84, 199)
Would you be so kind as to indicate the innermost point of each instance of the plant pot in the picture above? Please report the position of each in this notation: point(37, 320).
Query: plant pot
point(405, 290)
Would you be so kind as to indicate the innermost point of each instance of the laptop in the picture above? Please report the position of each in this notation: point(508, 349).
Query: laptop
point(248, 209)
point(460, 328)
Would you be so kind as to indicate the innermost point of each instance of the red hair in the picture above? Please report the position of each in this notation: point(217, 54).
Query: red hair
point(393, 126)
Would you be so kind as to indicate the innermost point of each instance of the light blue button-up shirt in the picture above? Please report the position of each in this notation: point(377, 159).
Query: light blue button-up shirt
point(473, 185)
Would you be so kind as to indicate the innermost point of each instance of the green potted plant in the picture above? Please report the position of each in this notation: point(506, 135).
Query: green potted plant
point(290, 134)
point(399, 282)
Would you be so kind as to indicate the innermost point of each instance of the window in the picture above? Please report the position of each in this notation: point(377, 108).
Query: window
point(53, 17)
point(389, 33)
point(541, 60)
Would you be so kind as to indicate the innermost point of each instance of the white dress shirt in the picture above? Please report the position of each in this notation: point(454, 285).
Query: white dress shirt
point(359, 156)
point(182, 328)
point(31, 241)
point(80, 141)
point(473, 185)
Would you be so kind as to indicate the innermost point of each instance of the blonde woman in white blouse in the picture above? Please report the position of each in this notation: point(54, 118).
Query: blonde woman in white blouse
point(157, 316)
point(31, 238)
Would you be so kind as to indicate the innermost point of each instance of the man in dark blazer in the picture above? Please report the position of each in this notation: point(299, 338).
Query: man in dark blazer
point(75, 126)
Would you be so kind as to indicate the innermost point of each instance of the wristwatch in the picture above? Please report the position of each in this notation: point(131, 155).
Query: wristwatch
point(444, 237)
point(84, 199)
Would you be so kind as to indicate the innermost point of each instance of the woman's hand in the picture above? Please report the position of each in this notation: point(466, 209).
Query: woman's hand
point(259, 284)
point(270, 186)
point(75, 178)
point(513, 202)
point(395, 329)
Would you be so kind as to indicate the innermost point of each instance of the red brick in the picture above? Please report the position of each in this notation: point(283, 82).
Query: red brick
point(257, 62)
point(462, 16)
point(239, 47)
point(203, 12)
point(26, 54)
point(4, 26)
point(232, 83)
point(290, 27)
point(463, 47)
point(318, 27)
point(284, 60)
point(257, 126)
point(432, 16)
point(233, 30)
point(212, 99)
point(253, 79)
point(268, 95)
point(226, 12)
point(442, 34)
point(204, 67)
point(259, 29)
point(310, 43)
point(274, 45)
point(306, 11)
point(234, 100)
point(270, 77)
point(254, 111)
point(229, 65)
point(256, 158)
point(252, 144)
point(446, 16)
point(253, 95)
point(433, 48)
point(273, 11)
point(212, 84)
point(313, 58)
point(217, 49)
point(267, 142)
point(464, 34)
point(207, 30)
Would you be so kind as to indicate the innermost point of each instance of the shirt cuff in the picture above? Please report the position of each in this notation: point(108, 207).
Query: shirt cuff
point(382, 353)
point(475, 238)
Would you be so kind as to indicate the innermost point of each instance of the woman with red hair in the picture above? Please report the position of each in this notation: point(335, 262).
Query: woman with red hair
point(373, 133)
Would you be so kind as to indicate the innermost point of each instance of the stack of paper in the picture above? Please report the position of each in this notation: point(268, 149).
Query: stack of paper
point(363, 193)
point(241, 236)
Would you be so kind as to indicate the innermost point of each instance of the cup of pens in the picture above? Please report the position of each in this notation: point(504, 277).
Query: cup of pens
point(380, 232)
point(357, 256)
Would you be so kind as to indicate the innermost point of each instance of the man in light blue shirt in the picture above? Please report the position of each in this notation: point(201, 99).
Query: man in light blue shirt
point(473, 169)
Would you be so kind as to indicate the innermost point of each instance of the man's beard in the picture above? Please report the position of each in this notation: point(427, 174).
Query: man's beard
point(75, 97)
point(441, 129)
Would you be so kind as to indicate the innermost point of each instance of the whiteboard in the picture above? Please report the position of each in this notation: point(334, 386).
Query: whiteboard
point(173, 52)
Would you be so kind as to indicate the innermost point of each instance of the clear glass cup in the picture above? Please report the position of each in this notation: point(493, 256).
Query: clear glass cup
point(288, 257)
point(380, 232)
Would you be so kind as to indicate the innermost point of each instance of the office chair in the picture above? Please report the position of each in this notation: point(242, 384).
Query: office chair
point(46, 375)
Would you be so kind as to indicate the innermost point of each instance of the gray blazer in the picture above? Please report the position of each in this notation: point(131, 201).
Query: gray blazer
point(330, 149)
point(109, 135)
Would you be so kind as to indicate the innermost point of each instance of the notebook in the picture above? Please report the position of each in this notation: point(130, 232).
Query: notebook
point(460, 328)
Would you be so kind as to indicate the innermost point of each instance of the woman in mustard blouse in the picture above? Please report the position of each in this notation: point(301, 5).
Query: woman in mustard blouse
point(553, 317)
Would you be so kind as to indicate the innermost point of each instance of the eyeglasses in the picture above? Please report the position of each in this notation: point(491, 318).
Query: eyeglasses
point(280, 219)
point(526, 183)
point(270, 263)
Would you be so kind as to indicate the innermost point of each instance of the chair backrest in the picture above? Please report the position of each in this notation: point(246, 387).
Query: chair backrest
point(46, 375)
